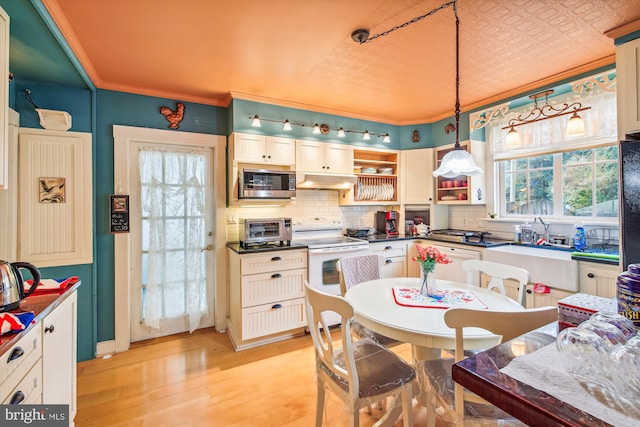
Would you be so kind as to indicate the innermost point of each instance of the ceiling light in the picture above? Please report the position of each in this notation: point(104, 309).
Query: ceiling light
point(287, 126)
point(366, 136)
point(575, 127)
point(457, 161)
point(256, 122)
point(316, 129)
point(341, 133)
point(513, 139)
point(387, 138)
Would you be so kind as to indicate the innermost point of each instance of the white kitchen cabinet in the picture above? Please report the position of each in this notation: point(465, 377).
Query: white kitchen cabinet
point(54, 232)
point(598, 279)
point(534, 300)
point(462, 190)
point(59, 355)
point(21, 370)
point(266, 296)
point(40, 368)
point(261, 149)
point(4, 100)
point(458, 254)
point(416, 167)
point(394, 258)
point(628, 87)
point(315, 156)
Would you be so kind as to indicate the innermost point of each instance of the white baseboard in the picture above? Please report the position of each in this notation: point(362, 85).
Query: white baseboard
point(104, 348)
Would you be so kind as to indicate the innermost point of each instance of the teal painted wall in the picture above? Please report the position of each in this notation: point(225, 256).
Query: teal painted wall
point(140, 111)
point(76, 102)
point(242, 110)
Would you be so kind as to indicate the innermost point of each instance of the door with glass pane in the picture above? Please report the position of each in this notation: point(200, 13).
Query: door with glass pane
point(171, 240)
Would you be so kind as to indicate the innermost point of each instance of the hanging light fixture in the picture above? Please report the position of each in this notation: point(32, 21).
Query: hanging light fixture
point(575, 126)
point(255, 122)
point(316, 129)
point(287, 126)
point(366, 136)
point(386, 139)
point(457, 161)
point(341, 133)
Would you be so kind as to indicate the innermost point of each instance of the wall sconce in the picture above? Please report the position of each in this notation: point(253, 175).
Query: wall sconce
point(575, 127)
point(317, 129)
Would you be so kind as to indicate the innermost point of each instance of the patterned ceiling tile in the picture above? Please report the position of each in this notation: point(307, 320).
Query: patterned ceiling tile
point(301, 52)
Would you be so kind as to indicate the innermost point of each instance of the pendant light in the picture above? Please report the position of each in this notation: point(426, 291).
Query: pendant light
point(457, 161)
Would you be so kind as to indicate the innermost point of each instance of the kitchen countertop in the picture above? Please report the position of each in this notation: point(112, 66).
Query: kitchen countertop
point(235, 246)
point(41, 305)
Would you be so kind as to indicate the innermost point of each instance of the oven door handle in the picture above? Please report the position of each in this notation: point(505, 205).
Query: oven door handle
point(338, 249)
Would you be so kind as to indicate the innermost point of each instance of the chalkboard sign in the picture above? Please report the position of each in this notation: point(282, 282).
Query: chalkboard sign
point(119, 218)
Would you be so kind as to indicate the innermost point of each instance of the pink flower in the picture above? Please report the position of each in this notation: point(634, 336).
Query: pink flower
point(429, 256)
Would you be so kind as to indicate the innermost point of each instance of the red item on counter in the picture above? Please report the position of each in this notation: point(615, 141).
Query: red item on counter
point(51, 285)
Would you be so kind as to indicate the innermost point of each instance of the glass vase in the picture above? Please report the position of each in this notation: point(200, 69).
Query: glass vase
point(427, 281)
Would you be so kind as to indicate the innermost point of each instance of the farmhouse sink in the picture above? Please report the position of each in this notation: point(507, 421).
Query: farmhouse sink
point(554, 268)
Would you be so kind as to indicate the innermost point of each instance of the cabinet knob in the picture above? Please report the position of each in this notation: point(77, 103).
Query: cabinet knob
point(17, 352)
point(276, 258)
point(388, 261)
point(49, 329)
point(17, 397)
point(529, 291)
point(590, 275)
point(264, 156)
point(276, 276)
point(276, 306)
point(387, 248)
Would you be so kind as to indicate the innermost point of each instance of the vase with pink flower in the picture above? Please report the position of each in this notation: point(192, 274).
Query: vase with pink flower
point(429, 257)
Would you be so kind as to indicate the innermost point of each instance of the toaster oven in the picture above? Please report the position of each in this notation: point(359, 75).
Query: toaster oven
point(261, 231)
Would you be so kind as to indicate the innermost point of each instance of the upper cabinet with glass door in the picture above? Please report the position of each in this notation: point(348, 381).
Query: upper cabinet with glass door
point(462, 190)
point(261, 149)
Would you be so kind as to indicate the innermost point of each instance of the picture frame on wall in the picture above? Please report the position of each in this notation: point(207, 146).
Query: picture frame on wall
point(52, 190)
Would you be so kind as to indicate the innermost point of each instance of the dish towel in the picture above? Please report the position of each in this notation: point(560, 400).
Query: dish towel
point(51, 285)
point(15, 322)
point(546, 370)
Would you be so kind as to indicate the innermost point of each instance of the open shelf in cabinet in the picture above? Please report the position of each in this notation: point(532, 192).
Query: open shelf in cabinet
point(375, 187)
point(462, 189)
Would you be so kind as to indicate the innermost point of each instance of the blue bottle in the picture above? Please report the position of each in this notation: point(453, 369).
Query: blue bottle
point(580, 239)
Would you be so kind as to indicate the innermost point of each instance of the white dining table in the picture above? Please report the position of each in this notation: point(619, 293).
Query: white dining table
point(423, 327)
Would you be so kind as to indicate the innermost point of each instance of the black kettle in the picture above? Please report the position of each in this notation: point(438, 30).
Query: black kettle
point(12, 289)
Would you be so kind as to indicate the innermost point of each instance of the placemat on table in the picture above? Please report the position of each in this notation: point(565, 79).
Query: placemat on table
point(444, 298)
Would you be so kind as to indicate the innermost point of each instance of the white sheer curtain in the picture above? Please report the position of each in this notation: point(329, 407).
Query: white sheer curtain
point(548, 136)
point(173, 205)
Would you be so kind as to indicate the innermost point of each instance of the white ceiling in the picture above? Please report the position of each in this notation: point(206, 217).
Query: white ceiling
point(300, 53)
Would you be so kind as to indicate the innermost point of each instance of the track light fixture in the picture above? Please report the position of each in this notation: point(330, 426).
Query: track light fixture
point(322, 129)
point(575, 127)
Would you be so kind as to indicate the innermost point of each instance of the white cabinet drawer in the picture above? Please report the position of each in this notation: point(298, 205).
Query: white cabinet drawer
point(26, 352)
point(268, 287)
point(273, 318)
point(29, 389)
point(387, 250)
point(273, 261)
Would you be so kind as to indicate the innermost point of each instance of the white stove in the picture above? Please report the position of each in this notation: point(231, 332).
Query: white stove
point(323, 236)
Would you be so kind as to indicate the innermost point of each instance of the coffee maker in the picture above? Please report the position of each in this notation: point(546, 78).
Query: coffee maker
point(387, 222)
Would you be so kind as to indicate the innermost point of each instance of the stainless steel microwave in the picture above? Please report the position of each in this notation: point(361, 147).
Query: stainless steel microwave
point(266, 184)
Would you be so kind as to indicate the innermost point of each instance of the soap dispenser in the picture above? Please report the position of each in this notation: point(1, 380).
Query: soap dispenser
point(580, 239)
point(527, 233)
point(517, 234)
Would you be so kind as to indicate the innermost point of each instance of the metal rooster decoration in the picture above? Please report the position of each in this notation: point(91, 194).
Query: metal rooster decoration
point(174, 117)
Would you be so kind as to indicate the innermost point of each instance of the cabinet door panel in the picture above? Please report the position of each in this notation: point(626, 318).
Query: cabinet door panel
point(417, 176)
point(339, 159)
point(249, 148)
point(59, 355)
point(281, 151)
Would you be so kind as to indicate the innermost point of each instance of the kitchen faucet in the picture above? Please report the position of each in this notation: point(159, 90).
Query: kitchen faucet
point(546, 228)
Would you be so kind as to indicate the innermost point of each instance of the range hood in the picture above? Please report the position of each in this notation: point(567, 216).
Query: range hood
point(324, 181)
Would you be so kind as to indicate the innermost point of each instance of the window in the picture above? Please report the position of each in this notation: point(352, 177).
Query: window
point(581, 183)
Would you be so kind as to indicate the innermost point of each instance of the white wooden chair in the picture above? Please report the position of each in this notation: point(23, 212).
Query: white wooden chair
point(353, 271)
point(449, 400)
point(499, 273)
point(359, 372)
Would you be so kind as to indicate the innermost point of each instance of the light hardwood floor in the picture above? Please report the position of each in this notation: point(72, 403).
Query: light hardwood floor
point(198, 380)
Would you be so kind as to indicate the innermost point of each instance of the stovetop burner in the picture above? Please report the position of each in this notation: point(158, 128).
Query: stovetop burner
point(454, 235)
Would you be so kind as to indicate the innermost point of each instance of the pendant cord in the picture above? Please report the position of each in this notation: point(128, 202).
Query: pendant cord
point(457, 106)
